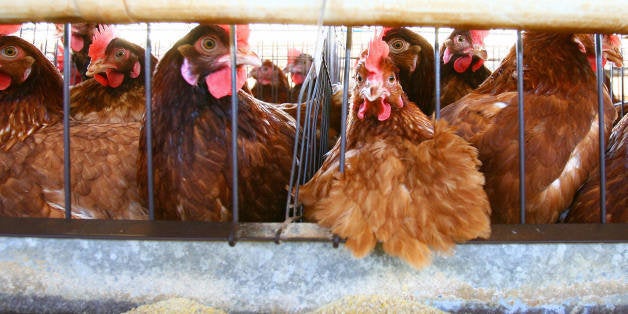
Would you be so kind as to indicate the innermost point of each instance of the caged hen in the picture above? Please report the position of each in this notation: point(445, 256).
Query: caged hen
point(31, 149)
point(191, 122)
point(271, 83)
point(561, 127)
point(298, 67)
point(116, 91)
point(586, 205)
point(414, 56)
point(80, 40)
point(462, 64)
point(409, 184)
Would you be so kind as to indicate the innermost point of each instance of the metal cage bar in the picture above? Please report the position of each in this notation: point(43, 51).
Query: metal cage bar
point(235, 230)
point(522, 158)
point(67, 187)
point(601, 127)
point(148, 125)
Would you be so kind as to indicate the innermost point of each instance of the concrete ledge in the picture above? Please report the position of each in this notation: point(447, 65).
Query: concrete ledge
point(74, 275)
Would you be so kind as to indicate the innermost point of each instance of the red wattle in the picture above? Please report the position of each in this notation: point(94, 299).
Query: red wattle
point(298, 78)
point(5, 81)
point(477, 65)
point(115, 78)
point(102, 79)
point(447, 55)
point(219, 82)
point(362, 110)
point(462, 64)
point(77, 43)
point(384, 110)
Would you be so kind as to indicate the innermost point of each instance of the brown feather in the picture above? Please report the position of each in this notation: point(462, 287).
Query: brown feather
point(561, 133)
point(31, 162)
point(416, 67)
point(407, 184)
point(92, 102)
point(586, 206)
point(271, 83)
point(192, 144)
point(455, 85)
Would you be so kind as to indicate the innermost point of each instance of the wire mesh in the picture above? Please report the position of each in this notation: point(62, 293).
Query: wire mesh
point(340, 48)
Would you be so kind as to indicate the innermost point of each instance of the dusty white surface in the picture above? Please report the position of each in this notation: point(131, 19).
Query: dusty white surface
point(92, 275)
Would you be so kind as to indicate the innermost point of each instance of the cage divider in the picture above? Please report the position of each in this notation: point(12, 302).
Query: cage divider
point(601, 128)
point(522, 164)
point(234, 137)
point(437, 75)
point(67, 75)
point(148, 126)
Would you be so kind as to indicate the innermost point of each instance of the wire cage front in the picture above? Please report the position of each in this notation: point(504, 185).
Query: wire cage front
point(334, 50)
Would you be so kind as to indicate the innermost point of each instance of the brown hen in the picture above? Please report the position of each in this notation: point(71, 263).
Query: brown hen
point(191, 122)
point(271, 83)
point(31, 149)
point(414, 56)
point(462, 64)
point(586, 206)
point(116, 91)
point(561, 127)
point(408, 184)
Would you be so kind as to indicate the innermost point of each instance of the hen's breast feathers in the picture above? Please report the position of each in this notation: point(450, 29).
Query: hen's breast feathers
point(406, 184)
point(103, 173)
point(561, 132)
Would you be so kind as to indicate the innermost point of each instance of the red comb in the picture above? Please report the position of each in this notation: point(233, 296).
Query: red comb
point(9, 28)
point(293, 53)
point(102, 37)
point(242, 32)
point(477, 37)
point(378, 50)
point(614, 40)
point(386, 30)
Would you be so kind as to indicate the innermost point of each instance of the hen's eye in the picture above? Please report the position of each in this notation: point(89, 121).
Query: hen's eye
point(120, 53)
point(208, 43)
point(391, 79)
point(9, 52)
point(460, 38)
point(398, 45)
point(358, 78)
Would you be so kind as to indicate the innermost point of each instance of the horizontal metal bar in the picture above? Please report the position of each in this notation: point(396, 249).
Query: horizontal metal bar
point(579, 15)
point(204, 231)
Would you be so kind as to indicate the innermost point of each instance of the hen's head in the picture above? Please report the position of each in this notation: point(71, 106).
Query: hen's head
point(96, 52)
point(298, 65)
point(17, 58)
point(81, 33)
point(206, 56)
point(267, 74)
point(611, 49)
point(406, 47)
point(376, 89)
point(466, 49)
point(122, 61)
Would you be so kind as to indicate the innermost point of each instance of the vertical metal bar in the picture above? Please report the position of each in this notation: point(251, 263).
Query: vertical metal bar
point(621, 108)
point(66, 120)
point(601, 128)
point(345, 105)
point(343, 116)
point(234, 136)
point(522, 159)
point(149, 125)
point(610, 82)
point(437, 75)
